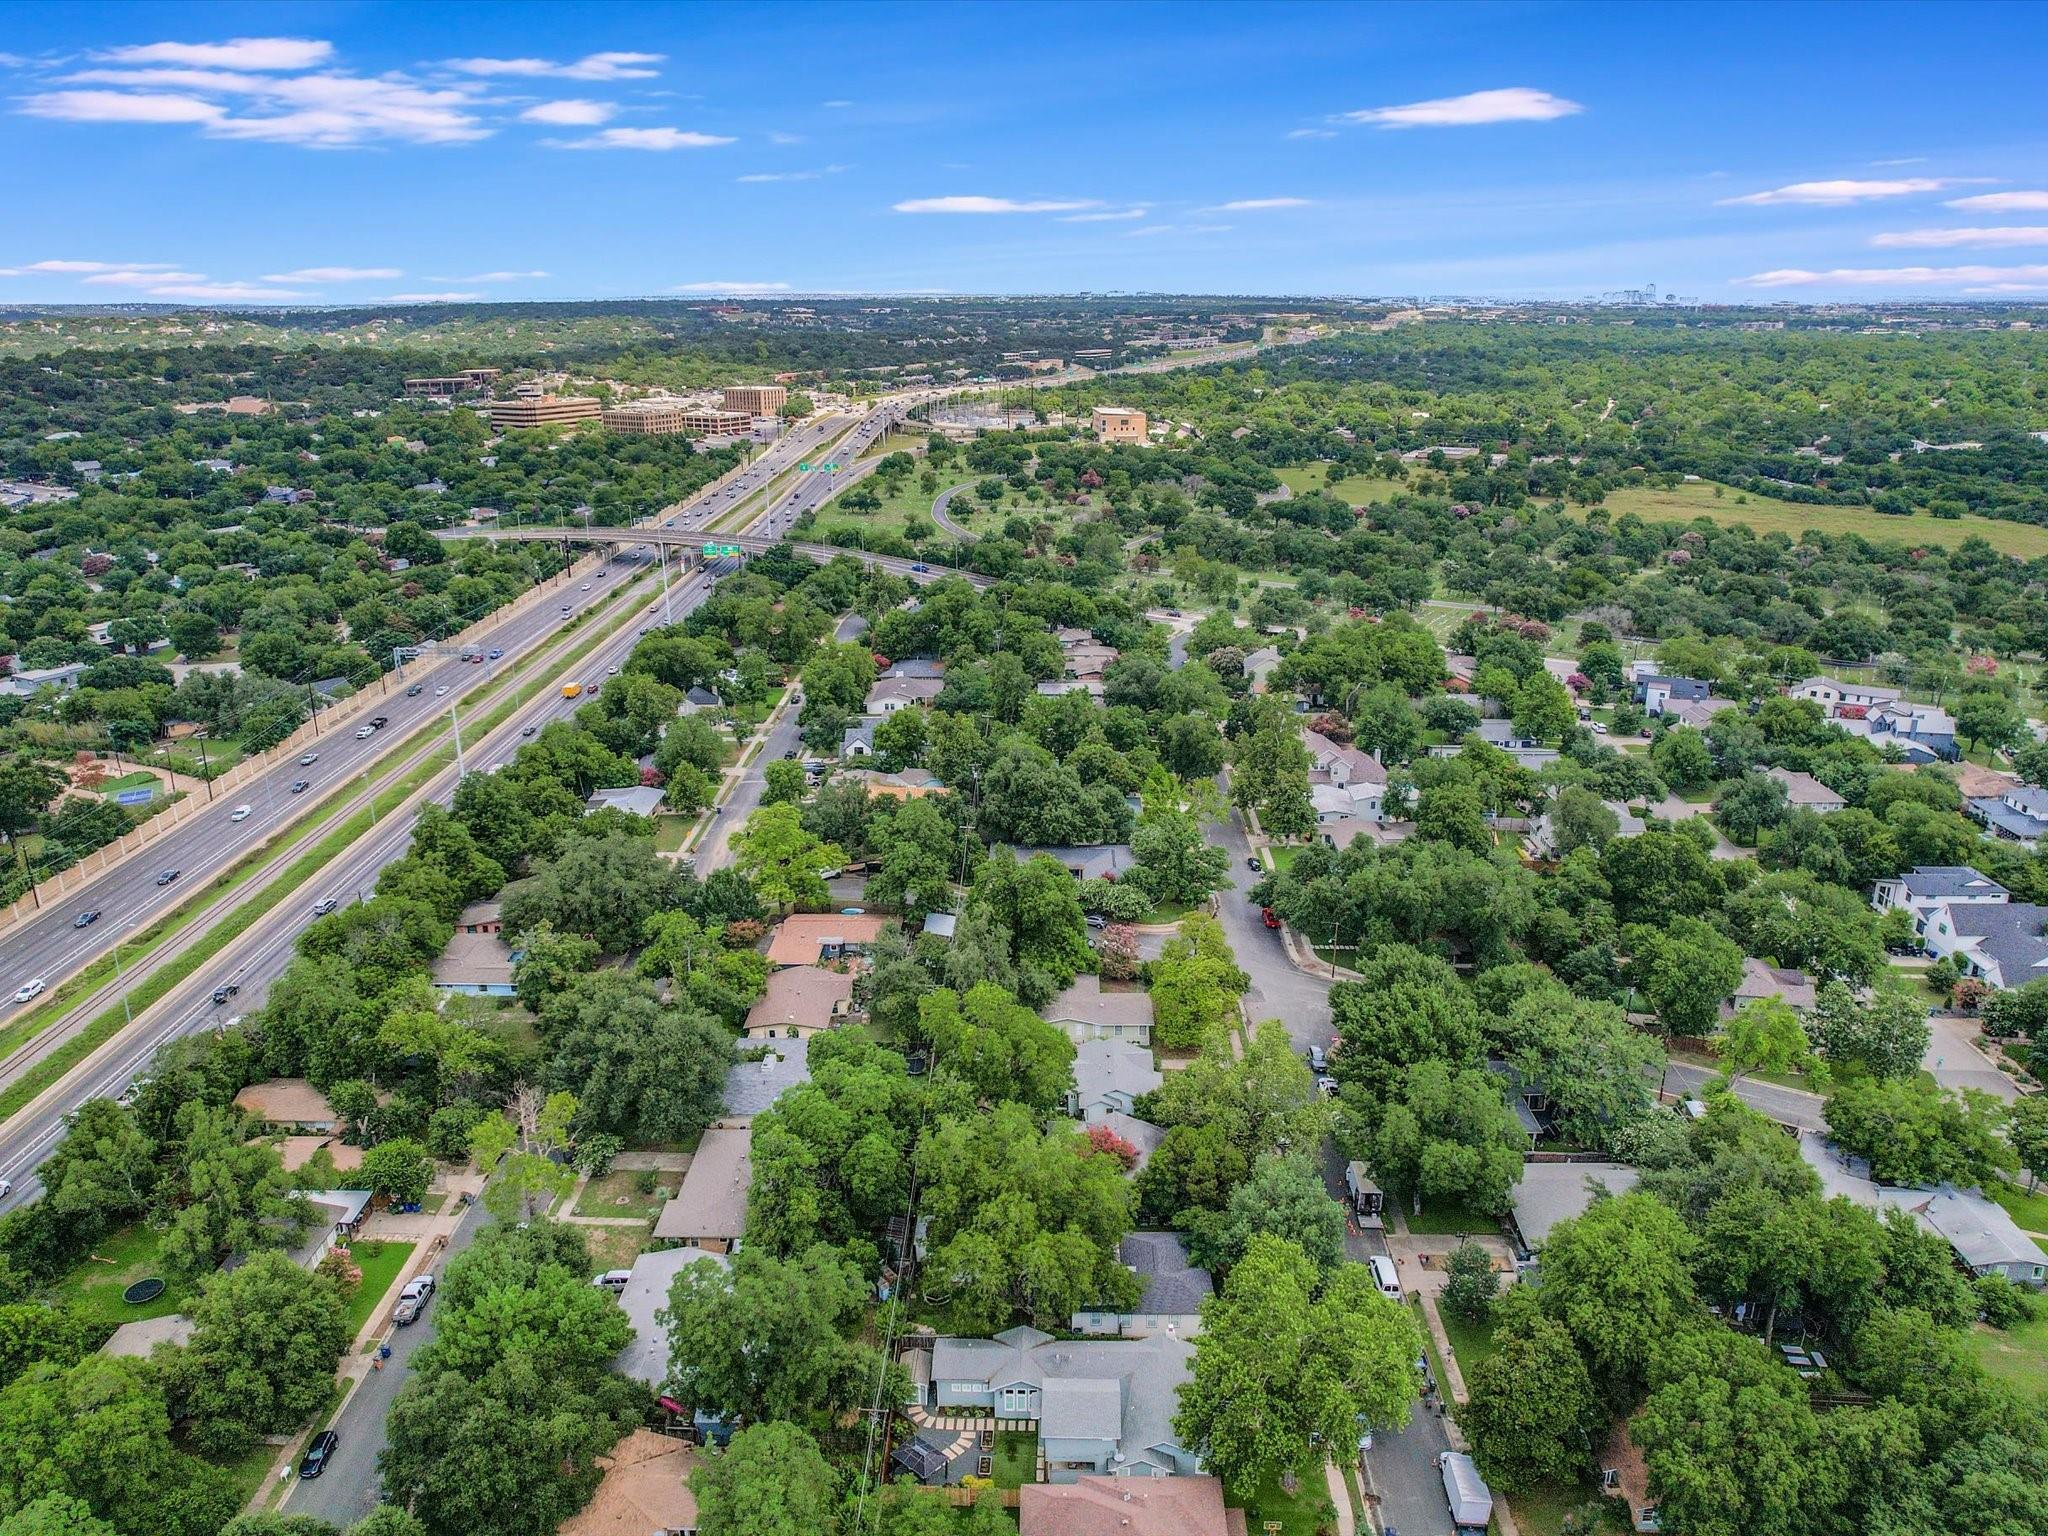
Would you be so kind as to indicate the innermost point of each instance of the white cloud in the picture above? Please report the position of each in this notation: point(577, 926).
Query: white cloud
point(574, 113)
point(324, 110)
point(227, 293)
point(491, 277)
point(12, 61)
point(757, 177)
point(98, 266)
point(1177, 229)
point(1260, 204)
point(1516, 104)
point(990, 205)
point(643, 138)
point(1114, 217)
point(592, 66)
point(2009, 235)
point(1902, 160)
point(2003, 202)
point(332, 274)
point(140, 279)
point(835, 106)
point(121, 107)
point(736, 290)
point(1990, 288)
point(1897, 277)
point(235, 53)
point(1835, 194)
point(429, 298)
point(785, 138)
point(1312, 133)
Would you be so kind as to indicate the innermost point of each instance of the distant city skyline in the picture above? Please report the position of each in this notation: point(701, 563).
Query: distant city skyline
point(241, 154)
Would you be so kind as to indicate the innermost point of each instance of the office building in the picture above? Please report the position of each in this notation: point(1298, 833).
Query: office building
point(543, 411)
point(756, 399)
point(712, 422)
point(1117, 424)
point(647, 420)
point(453, 384)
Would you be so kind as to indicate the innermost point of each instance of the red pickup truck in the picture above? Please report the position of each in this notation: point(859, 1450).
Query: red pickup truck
point(1269, 917)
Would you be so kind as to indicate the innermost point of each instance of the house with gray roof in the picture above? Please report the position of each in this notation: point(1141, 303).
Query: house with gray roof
point(1086, 1012)
point(710, 1210)
point(1980, 1231)
point(1760, 980)
point(2000, 944)
point(1109, 1075)
point(1803, 792)
point(634, 800)
point(1549, 1193)
point(1926, 886)
point(2020, 815)
point(753, 1086)
point(894, 691)
point(644, 1298)
point(1085, 861)
point(1100, 1405)
point(858, 739)
point(1174, 1290)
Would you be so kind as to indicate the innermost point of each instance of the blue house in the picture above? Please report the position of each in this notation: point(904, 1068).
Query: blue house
point(476, 965)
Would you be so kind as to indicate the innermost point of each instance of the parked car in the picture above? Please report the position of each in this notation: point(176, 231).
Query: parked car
point(1096, 920)
point(1318, 1060)
point(28, 991)
point(613, 1280)
point(1251, 862)
point(166, 876)
point(1384, 1276)
point(1327, 1087)
point(318, 1454)
point(241, 813)
point(324, 905)
point(86, 918)
point(308, 759)
point(413, 1300)
point(1269, 917)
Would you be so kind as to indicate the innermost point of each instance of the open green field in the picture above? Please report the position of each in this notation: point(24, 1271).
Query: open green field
point(380, 1263)
point(116, 1262)
point(2017, 1356)
point(1765, 514)
point(1356, 490)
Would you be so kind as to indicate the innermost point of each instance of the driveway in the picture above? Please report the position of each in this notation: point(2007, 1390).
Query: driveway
point(349, 1489)
point(1955, 1062)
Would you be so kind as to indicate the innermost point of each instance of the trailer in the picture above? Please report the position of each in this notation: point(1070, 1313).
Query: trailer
point(1367, 1200)
point(1470, 1499)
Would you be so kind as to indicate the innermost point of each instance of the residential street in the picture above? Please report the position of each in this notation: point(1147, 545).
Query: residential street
point(349, 1489)
point(1788, 1106)
point(1279, 990)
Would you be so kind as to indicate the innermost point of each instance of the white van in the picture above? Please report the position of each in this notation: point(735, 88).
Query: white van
point(1385, 1276)
point(613, 1280)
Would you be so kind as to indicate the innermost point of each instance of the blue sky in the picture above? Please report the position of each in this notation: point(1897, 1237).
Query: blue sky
point(344, 152)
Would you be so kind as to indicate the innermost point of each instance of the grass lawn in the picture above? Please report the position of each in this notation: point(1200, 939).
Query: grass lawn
point(2018, 1356)
point(250, 1469)
point(615, 1247)
point(618, 1194)
point(130, 781)
point(1543, 1511)
point(1016, 1458)
point(1447, 1219)
point(671, 832)
point(1283, 855)
point(513, 1028)
point(1299, 1515)
point(2030, 1211)
point(380, 1264)
point(1357, 490)
point(1173, 911)
point(1470, 1342)
point(1765, 514)
point(118, 1261)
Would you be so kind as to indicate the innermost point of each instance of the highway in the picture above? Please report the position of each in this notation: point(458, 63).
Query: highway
point(50, 947)
point(256, 958)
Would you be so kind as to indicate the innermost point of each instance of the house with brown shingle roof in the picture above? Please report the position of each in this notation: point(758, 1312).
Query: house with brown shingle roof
point(645, 1487)
point(799, 1001)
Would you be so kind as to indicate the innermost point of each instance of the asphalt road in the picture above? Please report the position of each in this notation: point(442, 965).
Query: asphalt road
point(1789, 1106)
point(349, 1488)
point(942, 513)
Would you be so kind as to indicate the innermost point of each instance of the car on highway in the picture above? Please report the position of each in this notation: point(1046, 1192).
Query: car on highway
point(612, 671)
point(920, 567)
point(30, 990)
point(225, 990)
point(378, 722)
point(565, 610)
point(412, 1301)
point(318, 1454)
point(364, 733)
point(241, 813)
point(440, 689)
point(308, 759)
point(300, 786)
point(166, 876)
point(584, 588)
point(324, 905)
point(6, 1188)
point(415, 690)
point(529, 730)
point(86, 918)
point(495, 652)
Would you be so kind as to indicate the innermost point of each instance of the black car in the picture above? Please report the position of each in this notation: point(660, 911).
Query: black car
point(378, 722)
point(86, 919)
point(319, 1453)
point(222, 993)
point(414, 691)
point(1252, 862)
point(300, 786)
point(166, 876)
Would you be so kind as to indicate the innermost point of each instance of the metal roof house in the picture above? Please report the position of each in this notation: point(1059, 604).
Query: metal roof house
point(1982, 1234)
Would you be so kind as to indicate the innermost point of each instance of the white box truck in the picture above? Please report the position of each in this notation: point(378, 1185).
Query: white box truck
point(1470, 1499)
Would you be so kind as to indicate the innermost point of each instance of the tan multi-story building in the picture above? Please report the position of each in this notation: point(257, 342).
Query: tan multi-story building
point(543, 411)
point(647, 420)
point(756, 399)
point(1117, 424)
point(712, 422)
point(453, 384)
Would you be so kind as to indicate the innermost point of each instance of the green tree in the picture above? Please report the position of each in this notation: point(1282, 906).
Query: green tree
point(783, 860)
point(1406, 1007)
point(1765, 1035)
point(1283, 1197)
point(782, 782)
point(1280, 1367)
point(1914, 1132)
point(918, 847)
point(1470, 1282)
point(231, 1196)
point(1618, 1279)
point(1987, 717)
point(1686, 969)
point(771, 1481)
point(399, 1170)
point(1533, 1415)
point(101, 1172)
point(265, 1340)
point(1446, 1134)
point(1885, 1036)
point(997, 1046)
point(1195, 985)
point(26, 789)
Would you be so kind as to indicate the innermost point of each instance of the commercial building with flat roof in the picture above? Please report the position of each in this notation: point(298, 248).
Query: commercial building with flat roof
point(451, 384)
point(543, 411)
point(711, 421)
point(647, 420)
point(1117, 424)
point(756, 399)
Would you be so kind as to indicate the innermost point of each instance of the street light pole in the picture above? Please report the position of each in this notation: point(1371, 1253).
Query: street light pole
point(455, 722)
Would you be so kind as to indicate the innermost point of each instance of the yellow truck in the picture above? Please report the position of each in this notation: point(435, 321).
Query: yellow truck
point(570, 690)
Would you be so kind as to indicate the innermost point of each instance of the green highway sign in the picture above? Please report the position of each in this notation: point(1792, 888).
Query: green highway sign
point(804, 465)
point(719, 551)
point(831, 469)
